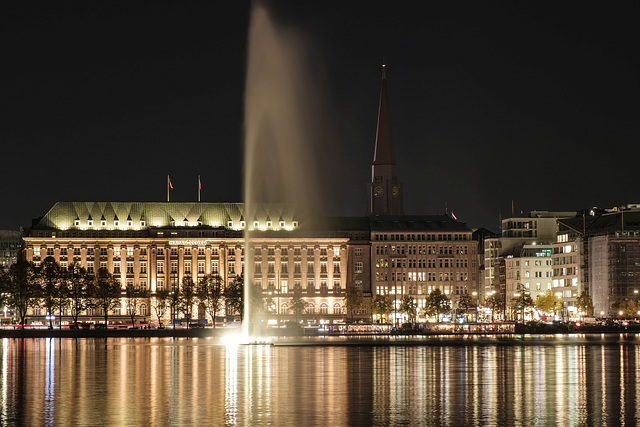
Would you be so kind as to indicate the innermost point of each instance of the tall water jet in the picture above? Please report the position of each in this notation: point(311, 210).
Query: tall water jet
point(281, 127)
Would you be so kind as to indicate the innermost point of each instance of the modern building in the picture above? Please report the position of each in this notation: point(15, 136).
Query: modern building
point(539, 227)
point(528, 268)
point(10, 244)
point(611, 256)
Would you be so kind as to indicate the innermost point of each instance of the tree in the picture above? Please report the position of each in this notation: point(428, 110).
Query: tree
point(437, 303)
point(78, 285)
point(234, 297)
point(495, 303)
point(297, 304)
point(210, 293)
point(523, 301)
point(187, 297)
point(354, 300)
point(22, 288)
point(381, 306)
point(160, 303)
point(548, 302)
point(465, 302)
point(134, 297)
point(50, 278)
point(409, 307)
point(105, 293)
point(584, 303)
point(633, 306)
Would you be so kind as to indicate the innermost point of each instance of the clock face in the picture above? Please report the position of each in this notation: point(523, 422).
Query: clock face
point(378, 191)
point(395, 191)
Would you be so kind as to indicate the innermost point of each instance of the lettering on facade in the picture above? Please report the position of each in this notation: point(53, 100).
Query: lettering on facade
point(187, 242)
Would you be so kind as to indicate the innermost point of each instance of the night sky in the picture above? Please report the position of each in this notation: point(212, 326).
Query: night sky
point(535, 102)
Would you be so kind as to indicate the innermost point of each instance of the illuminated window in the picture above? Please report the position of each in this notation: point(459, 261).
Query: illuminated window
point(160, 267)
point(187, 267)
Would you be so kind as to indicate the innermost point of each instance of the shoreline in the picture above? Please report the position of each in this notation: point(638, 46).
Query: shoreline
point(222, 332)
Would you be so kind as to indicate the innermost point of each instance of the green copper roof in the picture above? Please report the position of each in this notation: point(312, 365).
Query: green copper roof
point(77, 215)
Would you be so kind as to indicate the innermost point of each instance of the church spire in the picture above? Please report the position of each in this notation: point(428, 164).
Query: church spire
point(384, 192)
point(384, 153)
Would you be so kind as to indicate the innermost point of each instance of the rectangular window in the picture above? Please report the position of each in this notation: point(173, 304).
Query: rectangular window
point(214, 267)
point(116, 267)
point(284, 268)
point(187, 267)
point(36, 250)
point(143, 267)
point(90, 267)
point(160, 284)
point(129, 251)
point(143, 286)
point(116, 252)
point(200, 267)
point(310, 267)
point(358, 252)
point(336, 267)
point(129, 267)
point(284, 286)
point(358, 267)
point(232, 267)
point(174, 266)
point(160, 267)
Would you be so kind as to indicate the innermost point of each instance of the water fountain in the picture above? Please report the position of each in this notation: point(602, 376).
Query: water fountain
point(280, 126)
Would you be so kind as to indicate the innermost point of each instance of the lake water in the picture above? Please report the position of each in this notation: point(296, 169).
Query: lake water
point(535, 380)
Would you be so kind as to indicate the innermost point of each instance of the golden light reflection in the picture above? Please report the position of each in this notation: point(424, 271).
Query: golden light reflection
point(198, 382)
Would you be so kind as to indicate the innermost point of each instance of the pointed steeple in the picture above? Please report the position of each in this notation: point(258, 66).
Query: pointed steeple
point(384, 153)
point(384, 192)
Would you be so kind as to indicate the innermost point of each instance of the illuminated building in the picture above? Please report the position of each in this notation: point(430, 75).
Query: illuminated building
point(153, 246)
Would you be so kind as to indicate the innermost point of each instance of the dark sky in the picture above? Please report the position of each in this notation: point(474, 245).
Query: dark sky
point(535, 102)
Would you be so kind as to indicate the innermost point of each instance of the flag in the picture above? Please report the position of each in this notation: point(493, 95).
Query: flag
point(199, 183)
point(170, 185)
point(453, 215)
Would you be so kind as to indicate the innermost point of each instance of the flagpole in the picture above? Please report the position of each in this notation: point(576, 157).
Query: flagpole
point(199, 187)
point(168, 181)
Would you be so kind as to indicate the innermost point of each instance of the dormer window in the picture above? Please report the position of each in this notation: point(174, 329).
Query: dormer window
point(143, 224)
point(294, 224)
point(90, 223)
point(116, 223)
point(282, 224)
point(230, 224)
point(129, 223)
point(269, 224)
point(76, 223)
point(242, 224)
point(256, 224)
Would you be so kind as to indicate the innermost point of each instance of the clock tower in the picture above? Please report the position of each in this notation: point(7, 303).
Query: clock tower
point(384, 192)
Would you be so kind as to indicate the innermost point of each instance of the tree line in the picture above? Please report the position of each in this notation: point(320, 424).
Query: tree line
point(26, 286)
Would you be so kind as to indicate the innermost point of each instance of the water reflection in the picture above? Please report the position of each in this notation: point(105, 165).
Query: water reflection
point(537, 380)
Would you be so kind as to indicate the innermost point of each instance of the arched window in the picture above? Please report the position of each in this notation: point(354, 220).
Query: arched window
point(284, 308)
point(143, 310)
point(323, 308)
point(311, 308)
point(337, 309)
